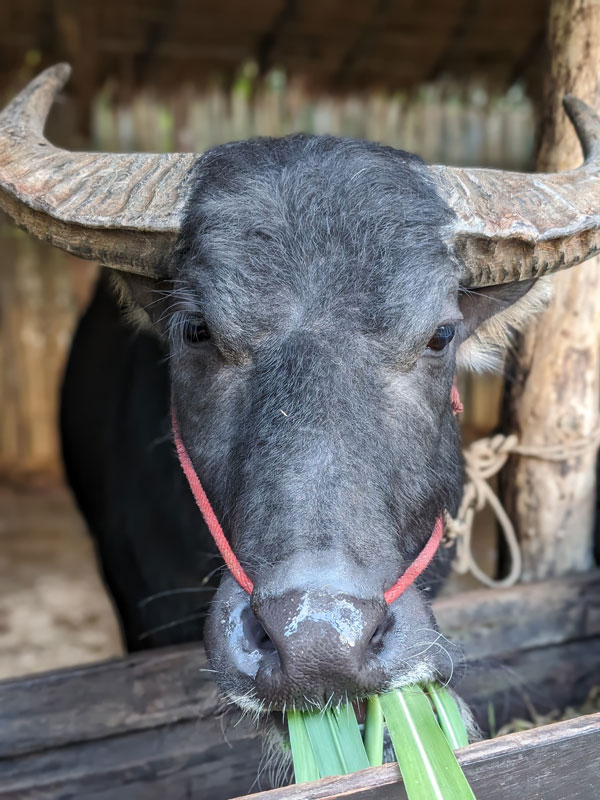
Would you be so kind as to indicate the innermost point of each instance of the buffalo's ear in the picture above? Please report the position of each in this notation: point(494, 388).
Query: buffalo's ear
point(144, 300)
point(492, 317)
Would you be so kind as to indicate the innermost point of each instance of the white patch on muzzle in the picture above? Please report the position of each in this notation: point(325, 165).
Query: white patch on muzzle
point(343, 616)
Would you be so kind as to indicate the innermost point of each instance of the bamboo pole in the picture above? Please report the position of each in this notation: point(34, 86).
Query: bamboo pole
point(555, 394)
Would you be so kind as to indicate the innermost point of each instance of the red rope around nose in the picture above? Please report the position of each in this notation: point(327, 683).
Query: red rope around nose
point(407, 578)
point(420, 564)
point(207, 512)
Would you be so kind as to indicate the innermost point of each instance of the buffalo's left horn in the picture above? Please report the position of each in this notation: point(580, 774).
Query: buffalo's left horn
point(122, 210)
point(512, 226)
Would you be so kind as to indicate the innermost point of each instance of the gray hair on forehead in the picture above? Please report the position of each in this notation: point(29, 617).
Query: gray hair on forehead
point(328, 226)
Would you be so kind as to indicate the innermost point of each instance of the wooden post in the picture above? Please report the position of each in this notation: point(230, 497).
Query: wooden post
point(555, 394)
point(77, 25)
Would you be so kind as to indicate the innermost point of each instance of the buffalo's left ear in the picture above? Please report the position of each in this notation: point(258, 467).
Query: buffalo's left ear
point(144, 300)
point(492, 316)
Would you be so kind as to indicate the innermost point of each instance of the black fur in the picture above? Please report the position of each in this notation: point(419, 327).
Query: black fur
point(118, 454)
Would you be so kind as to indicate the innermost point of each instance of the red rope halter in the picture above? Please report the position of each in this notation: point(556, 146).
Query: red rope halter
point(407, 578)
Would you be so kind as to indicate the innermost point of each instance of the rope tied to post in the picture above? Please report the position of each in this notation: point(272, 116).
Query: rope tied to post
point(484, 458)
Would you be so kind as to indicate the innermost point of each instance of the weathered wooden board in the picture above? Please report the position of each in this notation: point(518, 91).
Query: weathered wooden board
point(138, 730)
point(146, 690)
point(151, 725)
point(556, 762)
point(195, 760)
point(545, 679)
point(492, 622)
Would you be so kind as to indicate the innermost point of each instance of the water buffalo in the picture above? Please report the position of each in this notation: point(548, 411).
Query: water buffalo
point(303, 304)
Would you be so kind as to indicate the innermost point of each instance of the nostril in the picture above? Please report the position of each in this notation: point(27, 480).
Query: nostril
point(376, 641)
point(257, 637)
point(264, 642)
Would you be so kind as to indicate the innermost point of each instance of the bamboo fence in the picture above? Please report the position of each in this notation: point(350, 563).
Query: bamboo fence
point(43, 291)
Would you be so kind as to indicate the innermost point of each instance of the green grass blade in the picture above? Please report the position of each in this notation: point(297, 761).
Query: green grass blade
point(305, 766)
point(324, 743)
point(374, 731)
point(448, 715)
point(429, 767)
point(492, 720)
point(353, 749)
point(334, 740)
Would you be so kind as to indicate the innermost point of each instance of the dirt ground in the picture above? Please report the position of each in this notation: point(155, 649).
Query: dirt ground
point(54, 611)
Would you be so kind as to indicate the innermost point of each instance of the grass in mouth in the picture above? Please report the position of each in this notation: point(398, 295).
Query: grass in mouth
point(424, 724)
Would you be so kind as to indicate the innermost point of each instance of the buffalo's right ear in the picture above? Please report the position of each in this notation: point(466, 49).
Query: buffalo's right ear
point(145, 300)
point(493, 315)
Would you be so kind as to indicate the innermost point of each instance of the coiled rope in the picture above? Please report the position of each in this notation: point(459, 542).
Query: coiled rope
point(483, 460)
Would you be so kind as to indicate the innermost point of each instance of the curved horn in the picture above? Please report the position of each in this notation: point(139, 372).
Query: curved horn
point(122, 210)
point(513, 226)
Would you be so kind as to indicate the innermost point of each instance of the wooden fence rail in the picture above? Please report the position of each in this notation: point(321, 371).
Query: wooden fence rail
point(555, 762)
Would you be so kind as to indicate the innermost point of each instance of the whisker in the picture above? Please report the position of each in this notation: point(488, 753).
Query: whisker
point(168, 625)
point(451, 660)
point(169, 592)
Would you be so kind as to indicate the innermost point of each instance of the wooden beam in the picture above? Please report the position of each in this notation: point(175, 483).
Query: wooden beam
point(555, 394)
point(146, 748)
point(551, 763)
point(158, 30)
point(464, 22)
point(489, 623)
point(363, 43)
point(77, 26)
point(281, 22)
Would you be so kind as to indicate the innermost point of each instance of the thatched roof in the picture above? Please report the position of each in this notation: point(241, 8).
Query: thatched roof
point(335, 44)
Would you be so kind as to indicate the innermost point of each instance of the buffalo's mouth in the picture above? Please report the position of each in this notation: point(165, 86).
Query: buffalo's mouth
point(276, 764)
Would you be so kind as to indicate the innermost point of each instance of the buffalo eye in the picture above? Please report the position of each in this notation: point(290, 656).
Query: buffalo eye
point(441, 338)
point(195, 332)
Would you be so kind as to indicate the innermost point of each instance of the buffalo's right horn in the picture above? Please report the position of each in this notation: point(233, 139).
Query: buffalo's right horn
point(122, 210)
point(512, 226)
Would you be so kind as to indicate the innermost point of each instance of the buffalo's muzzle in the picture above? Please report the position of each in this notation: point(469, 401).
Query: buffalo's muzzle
point(307, 647)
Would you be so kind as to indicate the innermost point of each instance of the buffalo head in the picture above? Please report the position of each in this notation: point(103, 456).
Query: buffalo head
point(316, 294)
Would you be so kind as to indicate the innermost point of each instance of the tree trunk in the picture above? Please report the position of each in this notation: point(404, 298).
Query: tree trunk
point(555, 394)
